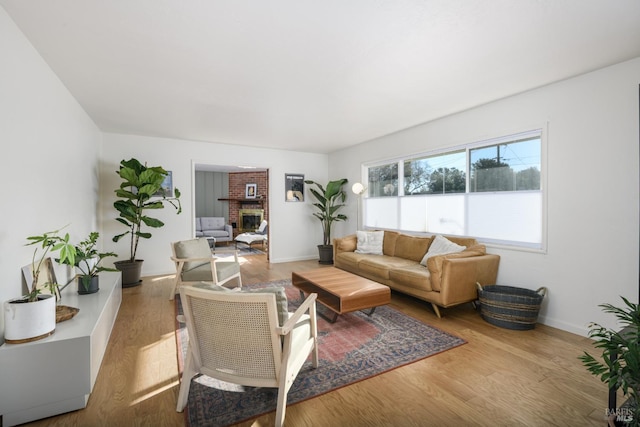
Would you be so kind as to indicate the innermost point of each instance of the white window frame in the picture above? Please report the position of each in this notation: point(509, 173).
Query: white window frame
point(393, 204)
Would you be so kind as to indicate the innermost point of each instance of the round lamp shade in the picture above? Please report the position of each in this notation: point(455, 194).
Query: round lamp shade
point(357, 188)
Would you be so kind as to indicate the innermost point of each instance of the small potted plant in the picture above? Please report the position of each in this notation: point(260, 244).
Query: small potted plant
point(87, 261)
point(140, 190)
point(619, 364)
point(329, 200)
point(33, 316)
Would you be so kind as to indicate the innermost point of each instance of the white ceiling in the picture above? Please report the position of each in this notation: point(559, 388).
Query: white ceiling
point(313, 75)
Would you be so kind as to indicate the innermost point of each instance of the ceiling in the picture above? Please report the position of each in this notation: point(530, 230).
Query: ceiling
point(313, 76)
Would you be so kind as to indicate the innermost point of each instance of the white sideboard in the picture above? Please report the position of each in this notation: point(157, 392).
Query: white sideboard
point(56, 374)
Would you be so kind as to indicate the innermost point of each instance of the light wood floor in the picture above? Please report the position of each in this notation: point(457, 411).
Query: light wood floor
point(499, 378)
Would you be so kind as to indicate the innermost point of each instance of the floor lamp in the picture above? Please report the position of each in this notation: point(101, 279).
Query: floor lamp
point(358, 189)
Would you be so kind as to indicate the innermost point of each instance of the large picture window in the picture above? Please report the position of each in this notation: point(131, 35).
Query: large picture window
point(491, 190)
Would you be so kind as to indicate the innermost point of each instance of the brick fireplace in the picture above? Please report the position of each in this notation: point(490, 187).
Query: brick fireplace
point(237, 198)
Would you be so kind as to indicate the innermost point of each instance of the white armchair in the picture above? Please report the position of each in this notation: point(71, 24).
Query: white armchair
point(236, 337)
point(195, 263)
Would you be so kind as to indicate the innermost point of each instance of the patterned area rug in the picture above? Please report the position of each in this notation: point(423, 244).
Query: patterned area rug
point(354, 348)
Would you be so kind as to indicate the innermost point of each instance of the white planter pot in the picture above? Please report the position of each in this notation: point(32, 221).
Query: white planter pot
point(29, 321)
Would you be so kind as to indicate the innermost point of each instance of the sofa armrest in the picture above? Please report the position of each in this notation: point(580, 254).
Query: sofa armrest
point(459, 277)
point(229, 229)
point(345, 244)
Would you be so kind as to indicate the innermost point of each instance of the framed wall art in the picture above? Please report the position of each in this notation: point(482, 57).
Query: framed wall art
point(294, 187)
point(251, 191)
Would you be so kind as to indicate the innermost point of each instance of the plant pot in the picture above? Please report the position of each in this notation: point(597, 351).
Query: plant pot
point(88, 287)
point(131, 272)
point(29, 321)
point(325, 252)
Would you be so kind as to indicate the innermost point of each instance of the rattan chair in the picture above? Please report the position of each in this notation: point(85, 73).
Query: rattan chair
point(195, 263)
point(236, 337)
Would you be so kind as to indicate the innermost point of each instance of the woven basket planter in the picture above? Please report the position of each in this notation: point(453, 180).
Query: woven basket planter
point(510, 307)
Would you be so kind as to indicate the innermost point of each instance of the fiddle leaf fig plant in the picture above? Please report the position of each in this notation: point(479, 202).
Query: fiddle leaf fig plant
point(140, 191)
point(46, 244)
point(329, 201)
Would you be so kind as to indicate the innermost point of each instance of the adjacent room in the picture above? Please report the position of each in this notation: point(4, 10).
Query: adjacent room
point(447, 156)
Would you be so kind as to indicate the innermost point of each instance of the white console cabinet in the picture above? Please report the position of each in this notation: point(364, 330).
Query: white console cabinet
point(56, 374)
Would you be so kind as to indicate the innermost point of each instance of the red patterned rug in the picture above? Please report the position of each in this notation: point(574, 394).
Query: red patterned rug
point(354, 348)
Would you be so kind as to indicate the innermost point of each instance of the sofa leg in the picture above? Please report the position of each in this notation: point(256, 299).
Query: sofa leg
point(437, 310)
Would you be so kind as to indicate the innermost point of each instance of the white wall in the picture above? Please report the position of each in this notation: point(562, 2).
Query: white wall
point(49, 163)
point(294, 232)
point(592, 253)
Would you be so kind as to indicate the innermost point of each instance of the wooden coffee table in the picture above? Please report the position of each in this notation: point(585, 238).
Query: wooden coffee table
point(341, 291)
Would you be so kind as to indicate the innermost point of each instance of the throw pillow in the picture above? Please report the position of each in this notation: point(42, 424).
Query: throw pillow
point(441, 246)
point(369, 242)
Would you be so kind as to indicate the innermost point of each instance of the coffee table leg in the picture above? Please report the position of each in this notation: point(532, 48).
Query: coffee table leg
point(371, 312)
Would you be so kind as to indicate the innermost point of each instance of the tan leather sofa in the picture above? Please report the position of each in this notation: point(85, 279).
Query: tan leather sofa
point(447, 280)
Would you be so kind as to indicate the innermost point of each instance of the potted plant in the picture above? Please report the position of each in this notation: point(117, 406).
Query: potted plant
point(87, 262)
point(329, 201)
point(33, 316)
point(141, 190)
point(619, 364)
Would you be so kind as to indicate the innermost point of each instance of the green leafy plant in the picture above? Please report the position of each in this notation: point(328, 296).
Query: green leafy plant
point(329, 201)
point(138, 193)
point(88, 259)
point(619, 364)
point(46, 244)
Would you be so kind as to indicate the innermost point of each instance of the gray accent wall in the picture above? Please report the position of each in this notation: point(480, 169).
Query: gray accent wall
point(209, 187)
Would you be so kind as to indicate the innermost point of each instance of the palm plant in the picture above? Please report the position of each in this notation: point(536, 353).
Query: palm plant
point(329, 201)
point(619, 364)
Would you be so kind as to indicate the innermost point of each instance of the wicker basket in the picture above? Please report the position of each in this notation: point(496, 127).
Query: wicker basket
point(510, 307)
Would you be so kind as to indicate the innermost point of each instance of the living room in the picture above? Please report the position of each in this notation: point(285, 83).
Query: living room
point(65, 165)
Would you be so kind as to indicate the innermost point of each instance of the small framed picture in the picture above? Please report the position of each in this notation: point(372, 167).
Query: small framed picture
point(166, 189)
point(250, 191)
point(294, 187)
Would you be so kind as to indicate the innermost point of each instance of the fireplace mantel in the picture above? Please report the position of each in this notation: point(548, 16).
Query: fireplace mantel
point(244, 201)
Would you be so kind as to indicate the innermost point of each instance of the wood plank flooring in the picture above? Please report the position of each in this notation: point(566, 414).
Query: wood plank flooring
point(499, 378)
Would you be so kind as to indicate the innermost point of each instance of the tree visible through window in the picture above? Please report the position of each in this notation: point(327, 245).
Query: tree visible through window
point(514, 166)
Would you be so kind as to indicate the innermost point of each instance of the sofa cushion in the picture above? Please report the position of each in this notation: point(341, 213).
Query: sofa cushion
point(411, 247)
point(389, 243)
point(212, 223)
point(349, 259)
point(369, 242)
point(346, 244)
point(380, 265)
point(440, 246)
point(215, 233)
point(415, 276)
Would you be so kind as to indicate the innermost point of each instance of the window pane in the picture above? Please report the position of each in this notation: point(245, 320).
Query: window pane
point(512, 217)
point(511, 166)
point(381, 212)
point(433, 214)
point(383, 180)
point(440, 174)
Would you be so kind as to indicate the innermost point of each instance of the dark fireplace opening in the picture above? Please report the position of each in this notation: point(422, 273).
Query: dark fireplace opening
point(250, 219)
